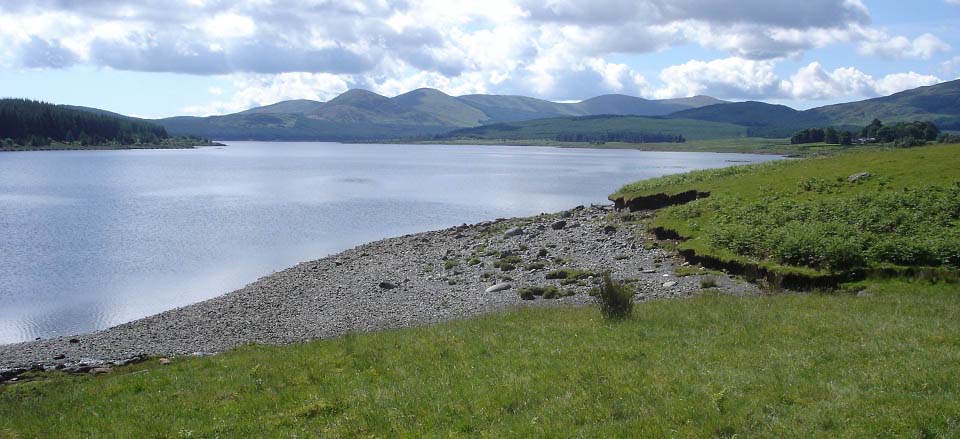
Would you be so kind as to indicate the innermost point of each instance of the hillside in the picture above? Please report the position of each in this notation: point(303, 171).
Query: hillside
point(761, 119)
point(39, 124)
point(364, 115)
point(634, 106)
point(291, 127)
point(593, 128)
point(444, 108)
point(360, 115)
point(939, 104)
point(296, 106)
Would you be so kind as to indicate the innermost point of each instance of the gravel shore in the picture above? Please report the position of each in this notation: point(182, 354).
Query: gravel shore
point(397, 282)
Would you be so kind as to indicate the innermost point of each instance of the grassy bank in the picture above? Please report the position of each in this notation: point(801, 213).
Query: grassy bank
point(784, 365)
point(813, 216)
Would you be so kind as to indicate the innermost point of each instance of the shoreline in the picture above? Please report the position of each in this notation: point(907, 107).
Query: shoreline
point(411, 280)
point(108, 147)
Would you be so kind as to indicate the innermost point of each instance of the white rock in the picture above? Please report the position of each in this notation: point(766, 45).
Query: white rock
point(498, 287)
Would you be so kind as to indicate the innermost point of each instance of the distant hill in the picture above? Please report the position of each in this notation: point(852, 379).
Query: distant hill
point(939, 104)
point(31, 123)
point(761, 119)
point(590, 128)
point(630, 105)
point(507, 108)
point(291, 127)
point(295, 106)
point(364, 115)
point(446, 109)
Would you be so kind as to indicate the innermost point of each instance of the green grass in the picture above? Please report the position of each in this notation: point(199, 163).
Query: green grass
point(805, 217)
point(775, 366)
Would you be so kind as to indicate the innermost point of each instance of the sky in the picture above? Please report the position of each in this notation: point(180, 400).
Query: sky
point(160, 58)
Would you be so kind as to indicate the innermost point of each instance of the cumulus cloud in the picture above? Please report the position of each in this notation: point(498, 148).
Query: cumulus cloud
point(739, 78)
point(557, 49)
point(429, 35)
point(924, 46)
point(255, 90)
point(729, 77)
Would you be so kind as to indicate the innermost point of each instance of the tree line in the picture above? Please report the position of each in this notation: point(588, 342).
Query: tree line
point(901, 134)
point(620, 136)
point(33, 123)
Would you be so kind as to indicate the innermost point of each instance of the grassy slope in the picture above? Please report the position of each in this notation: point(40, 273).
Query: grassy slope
point(549, 128)
point(776, 366)
point(937, 103)
point(893, 169)
point(762, 119)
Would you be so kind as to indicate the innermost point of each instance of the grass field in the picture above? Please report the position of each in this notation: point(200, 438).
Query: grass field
point(775, 366)
point(805, 216)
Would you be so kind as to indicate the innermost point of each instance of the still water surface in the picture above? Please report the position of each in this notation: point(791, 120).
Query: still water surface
point(91, 239)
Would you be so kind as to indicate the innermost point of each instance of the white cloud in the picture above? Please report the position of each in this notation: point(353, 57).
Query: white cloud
point(728, 77)
point(257, 90)
point(555, 49)
point(898, 82)
point(739, 78)
point(924, 46)
point(229, 25)
point(951, 67)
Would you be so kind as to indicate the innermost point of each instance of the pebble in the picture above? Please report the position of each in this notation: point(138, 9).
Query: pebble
point(498, 287)
point(302, 303)
point(516, 231)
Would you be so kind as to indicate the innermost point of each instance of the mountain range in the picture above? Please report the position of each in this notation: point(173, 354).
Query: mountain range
point(361, 115)
point(364, 115)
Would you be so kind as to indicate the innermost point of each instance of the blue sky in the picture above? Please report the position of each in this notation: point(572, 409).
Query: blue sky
point(155, 58)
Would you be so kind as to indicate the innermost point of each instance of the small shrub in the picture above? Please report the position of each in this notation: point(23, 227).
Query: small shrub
point(508, 263)
point(548, 292)
point(473, 261)
point(450, 263)
point(542, 253)
point(615, 300)
point(568, 273)
point(533, 266)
